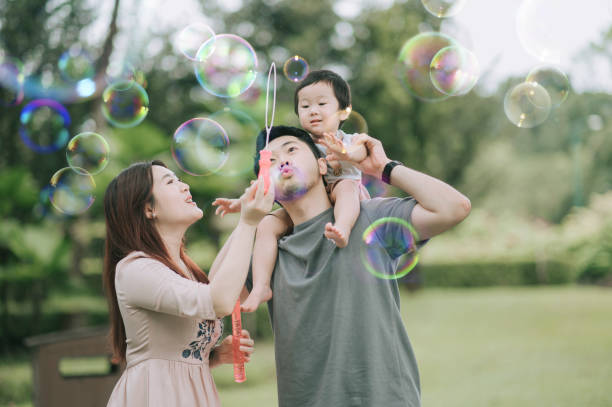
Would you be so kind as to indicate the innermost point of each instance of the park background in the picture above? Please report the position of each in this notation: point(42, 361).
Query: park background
point(511, 307)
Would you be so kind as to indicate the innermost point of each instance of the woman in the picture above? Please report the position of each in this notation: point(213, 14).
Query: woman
point(164, 310)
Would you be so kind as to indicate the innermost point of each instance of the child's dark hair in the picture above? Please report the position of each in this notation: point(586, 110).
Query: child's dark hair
point(342, 91)
point(279, 131)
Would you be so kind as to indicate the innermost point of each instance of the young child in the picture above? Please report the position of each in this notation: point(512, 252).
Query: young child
point(322, 102)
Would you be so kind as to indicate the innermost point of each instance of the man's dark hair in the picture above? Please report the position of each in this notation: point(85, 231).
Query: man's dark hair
point(279, 131)
point(342, 91)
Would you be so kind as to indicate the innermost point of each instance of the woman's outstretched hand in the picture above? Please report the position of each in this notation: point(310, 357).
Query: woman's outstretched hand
point(224, 353)
point(255, 204)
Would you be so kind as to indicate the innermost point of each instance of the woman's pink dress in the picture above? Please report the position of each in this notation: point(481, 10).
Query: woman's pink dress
point(171, 327)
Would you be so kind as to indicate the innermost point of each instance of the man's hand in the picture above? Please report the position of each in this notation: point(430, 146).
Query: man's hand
point(375, 159)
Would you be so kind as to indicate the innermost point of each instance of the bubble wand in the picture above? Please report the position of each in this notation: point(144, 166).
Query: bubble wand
point(264, 172)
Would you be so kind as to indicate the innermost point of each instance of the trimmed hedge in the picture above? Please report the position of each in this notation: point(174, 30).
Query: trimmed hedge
point(490, 274)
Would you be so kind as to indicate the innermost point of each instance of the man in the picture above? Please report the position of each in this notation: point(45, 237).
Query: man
point(338, 333)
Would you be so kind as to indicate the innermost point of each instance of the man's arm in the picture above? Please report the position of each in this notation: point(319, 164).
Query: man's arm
point(439, 206)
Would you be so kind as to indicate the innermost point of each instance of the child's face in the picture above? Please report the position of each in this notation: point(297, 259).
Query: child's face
point(318, 109)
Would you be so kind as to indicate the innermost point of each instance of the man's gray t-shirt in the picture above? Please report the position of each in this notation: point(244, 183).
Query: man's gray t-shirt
point(338, 334)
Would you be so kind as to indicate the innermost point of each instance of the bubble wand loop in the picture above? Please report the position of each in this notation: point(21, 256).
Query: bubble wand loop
point(264, 172)
point(265, 154)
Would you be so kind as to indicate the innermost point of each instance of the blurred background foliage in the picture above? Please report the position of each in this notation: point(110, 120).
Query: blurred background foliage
point(542, 206)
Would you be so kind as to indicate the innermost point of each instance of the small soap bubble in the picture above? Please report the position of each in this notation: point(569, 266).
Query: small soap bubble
point(553, 80)
point(374, 186)
point(454, 70)
point(527, 105)
point(72, 192)
point(75, 65)
point(191, 38)
point(354, 123)
point(125, 104)
point(87, 152)
point(595, 122)
point(289, 182)
point(44, 125)
point(200, 146)
point(389, 237)
point(443, 8)
point(296, 68)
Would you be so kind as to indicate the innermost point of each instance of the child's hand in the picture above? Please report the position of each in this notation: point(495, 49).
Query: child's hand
point(333, 143)
point(355, 152)
point(226, 205)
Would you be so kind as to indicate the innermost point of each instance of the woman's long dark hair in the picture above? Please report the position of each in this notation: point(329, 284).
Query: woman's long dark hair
point(127, 230)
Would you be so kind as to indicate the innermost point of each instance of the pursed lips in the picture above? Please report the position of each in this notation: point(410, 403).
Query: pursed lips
point(286, 171)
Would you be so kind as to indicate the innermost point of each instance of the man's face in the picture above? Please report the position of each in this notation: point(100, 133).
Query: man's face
point(318, 109)
point(295, 169)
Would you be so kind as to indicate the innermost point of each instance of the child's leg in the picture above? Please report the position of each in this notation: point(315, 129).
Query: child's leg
point(345, 196)
point(270, 229)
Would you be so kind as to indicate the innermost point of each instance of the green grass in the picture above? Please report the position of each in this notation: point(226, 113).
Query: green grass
point(484, 347)
point(505, 347)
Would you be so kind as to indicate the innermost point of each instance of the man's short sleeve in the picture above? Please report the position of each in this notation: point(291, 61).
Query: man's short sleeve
point(391, 207)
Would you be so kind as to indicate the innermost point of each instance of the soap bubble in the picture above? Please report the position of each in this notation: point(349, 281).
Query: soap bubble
point(289, 182)
point(454, 70)
point(414, 63)
point(226, 66)
point(44, 125)
point(443, 8)
point(87, 152)
point(527, 104)
point(200, 146)
point(553, 80)
point(546, 27)
point(191, 38)
point(295, 68)
point(72, 192)
point(126, 104)
point(76, 65)
point(375, 186)
point(389, 237)
point(354, 123)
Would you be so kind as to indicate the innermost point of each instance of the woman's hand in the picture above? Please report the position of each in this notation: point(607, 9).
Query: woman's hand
point(255, 204)
point(224, 353)
point(226, 205)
